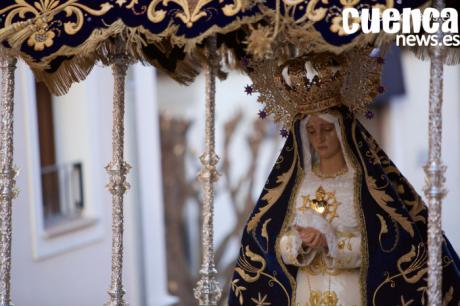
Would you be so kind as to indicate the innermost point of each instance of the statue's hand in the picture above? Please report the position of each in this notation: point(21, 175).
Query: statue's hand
point(311, 237)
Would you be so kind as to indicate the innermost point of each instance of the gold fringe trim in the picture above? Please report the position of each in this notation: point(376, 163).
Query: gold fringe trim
point(451, 55)
point(73, 71)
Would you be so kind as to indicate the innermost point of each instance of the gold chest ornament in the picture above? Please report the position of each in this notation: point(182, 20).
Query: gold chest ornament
point(324, 203)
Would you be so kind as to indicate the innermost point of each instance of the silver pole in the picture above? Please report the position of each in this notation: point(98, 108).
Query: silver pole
point(208, 291)
point(118, 169)
point(435, 170)
point(8, 190)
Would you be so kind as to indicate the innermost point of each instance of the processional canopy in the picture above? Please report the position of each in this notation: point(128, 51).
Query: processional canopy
point(62, 39)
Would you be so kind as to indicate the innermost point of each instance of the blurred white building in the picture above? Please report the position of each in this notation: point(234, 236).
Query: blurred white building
point(405, 132)
point(62, 254)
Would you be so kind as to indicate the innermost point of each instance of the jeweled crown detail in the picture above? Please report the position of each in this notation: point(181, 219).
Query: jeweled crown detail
point(316, 82)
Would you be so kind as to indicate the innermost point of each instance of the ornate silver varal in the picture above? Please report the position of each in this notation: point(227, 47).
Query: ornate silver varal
point(8, 173)
point(118, 169)
point(434, 169)
point(208, 291)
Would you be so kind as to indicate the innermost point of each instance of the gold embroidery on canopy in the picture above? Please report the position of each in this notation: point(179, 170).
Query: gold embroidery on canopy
point(83, 57)
point(191, 11)
point(39, 30)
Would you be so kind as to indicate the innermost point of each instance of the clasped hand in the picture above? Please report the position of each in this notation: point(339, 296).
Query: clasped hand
point(311, 237)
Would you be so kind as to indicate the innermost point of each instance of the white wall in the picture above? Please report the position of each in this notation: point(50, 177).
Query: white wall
point(81, 275)
point(406, 135)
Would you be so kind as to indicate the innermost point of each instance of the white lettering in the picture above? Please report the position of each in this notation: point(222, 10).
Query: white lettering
point(354, 14)
point(411, 20)
point(408, 21)
point(456, 41)
point(410, 41)
point(400, 38)
point(450, 20)
point(391, 18)
point(430, 20)
point(373, 20)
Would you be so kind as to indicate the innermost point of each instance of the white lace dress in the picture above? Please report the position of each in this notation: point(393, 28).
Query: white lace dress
point(332, 277)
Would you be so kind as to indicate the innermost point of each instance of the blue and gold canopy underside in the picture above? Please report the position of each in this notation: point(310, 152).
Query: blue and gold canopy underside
point(58, 38)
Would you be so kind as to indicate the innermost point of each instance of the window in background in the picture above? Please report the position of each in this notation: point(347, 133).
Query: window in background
point(62, 183)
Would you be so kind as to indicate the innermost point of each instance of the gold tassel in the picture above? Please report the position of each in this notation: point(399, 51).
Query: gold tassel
point(17, 39)
point(18, 32)
point(8, 32)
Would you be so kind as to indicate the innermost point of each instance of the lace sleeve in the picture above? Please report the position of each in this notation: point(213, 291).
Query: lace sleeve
point(310, 218)
point(292, 251)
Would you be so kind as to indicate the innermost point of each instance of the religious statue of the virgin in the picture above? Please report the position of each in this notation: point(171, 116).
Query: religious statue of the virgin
point(336, 223)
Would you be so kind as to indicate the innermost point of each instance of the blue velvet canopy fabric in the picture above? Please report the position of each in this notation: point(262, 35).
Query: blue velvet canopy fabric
point(393, 226)
point(71, 23)
point(59, 39)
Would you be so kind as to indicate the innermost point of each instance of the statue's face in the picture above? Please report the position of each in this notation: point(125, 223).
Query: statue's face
point(323, 137)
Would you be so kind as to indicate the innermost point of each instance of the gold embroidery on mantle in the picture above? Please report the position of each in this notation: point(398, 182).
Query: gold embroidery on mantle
point(384, 230)
point(416, 207)
point(238, 290)
point(251, 274)
point(382, 198)
point(264, 233)
point(412, 266)
point(272, 195)
point(363, 270)
point(261, 301)
point(289, 217)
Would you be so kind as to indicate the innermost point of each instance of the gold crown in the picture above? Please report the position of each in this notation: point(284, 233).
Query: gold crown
point(316, 82)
